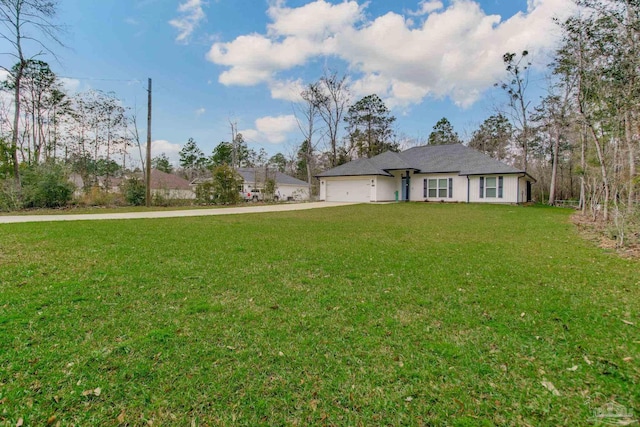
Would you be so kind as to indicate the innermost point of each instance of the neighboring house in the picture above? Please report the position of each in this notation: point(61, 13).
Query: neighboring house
point(170, 186)
point(449, 173)
point(112, 187)
point(78, 183)
point(287, 187)
point(166, 185)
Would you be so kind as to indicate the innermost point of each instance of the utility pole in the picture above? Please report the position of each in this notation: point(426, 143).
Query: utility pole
point(234, 149)
point(148, 165)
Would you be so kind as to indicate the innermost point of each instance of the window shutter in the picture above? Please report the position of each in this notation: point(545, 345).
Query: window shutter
point(500, 182)
point(426, 187)
point(482, 187)
point(450, 187)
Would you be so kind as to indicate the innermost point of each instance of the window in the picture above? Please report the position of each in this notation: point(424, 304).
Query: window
point(441, 188)
point(491, 187)
point(433, 188)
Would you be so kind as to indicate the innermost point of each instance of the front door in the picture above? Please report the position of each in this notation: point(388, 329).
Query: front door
point(406, 182)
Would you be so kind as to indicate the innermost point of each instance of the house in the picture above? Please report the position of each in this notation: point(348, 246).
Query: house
point(170, 186)
point(287, 187)
point(109, 184)
point(167, 185)
point(448, 173)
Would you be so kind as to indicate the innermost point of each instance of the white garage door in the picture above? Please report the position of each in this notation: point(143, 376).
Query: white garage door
point(354, 190)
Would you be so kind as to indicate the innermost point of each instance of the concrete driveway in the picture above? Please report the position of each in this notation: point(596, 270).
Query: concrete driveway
point(172, 214)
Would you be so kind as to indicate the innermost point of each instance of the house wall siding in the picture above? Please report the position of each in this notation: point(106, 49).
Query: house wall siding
point(459, 188)
point(386, 188)
point(283, 191)
point(510, 190)
point(522, 190)
point(174, 193)
point(295, 192)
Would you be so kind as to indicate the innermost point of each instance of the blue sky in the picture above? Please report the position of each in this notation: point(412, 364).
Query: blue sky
point(213, 61)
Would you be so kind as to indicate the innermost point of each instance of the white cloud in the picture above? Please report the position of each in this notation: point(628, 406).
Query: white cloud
point(289, 90)
point(271, 129)
point(70, 85)
point(453, 52)
point(425, 7)
point(191, 15)
point(371, 83)
point(160, 146)
point(317, 20)
point(295, 36)
point(255, 58)
point(200, 111)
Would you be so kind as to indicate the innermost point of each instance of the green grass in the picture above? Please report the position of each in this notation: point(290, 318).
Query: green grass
point(401, 314)
point(81, 210)
point(100, 210)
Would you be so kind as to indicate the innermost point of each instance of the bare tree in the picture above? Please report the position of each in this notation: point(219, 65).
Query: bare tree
point(134, 135)
point(17, 18)
point(553, 117)
point(516, 87)
point(307, 116)
point(334, 100)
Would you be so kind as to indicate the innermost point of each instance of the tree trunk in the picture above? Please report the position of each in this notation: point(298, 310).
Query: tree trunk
point(309, 158)
point(554, 169)
point(603, 171)
point(16, 123)
point(583, 166)
point(630, 140)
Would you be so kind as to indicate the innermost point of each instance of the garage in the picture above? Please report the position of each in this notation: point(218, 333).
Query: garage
point(353, 190)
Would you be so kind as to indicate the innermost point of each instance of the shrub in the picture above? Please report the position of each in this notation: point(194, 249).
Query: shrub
point(159, 199)
point(134, 191)
point(46, 186)
point(10, 196)
point(269, 189)
point(6, 161)
point(204, 193)
point(225, 185)
point(99, 197)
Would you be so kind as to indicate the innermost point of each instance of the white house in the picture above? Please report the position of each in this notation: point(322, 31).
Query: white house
point(170, 186)
point(287, 187)
point(435, 173)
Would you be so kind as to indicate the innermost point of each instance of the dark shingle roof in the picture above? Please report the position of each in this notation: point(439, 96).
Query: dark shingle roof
point(256, 175)
point(356, 167)
point(167, 181)
point(452, 158)
point(391, 161)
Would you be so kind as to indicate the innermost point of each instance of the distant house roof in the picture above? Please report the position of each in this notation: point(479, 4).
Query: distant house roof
point(257, 176)
point(452, 158)
point(167, 181)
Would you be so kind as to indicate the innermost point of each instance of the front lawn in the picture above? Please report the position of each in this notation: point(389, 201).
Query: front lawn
point(400, 314)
